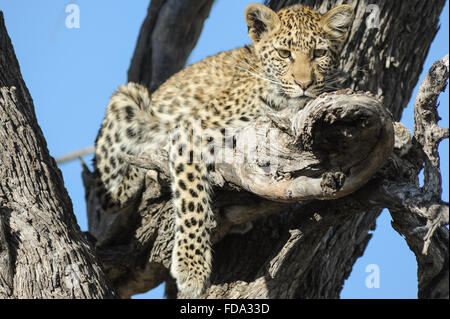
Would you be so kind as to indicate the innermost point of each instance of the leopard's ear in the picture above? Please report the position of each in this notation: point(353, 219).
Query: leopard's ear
point(260, 21)
point(337, 21)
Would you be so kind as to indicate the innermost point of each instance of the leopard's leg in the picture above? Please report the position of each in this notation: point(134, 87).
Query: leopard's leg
point(194, 219)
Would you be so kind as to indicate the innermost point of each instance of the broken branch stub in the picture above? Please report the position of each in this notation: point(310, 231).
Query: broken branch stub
point(335, 144)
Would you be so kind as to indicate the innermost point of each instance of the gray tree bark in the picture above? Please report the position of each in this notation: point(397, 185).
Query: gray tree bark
point(43, 253)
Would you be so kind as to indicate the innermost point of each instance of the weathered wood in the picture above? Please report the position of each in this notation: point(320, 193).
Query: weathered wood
point(427, 132)
point(419, 213)
point(336, 143)
point(43, 253)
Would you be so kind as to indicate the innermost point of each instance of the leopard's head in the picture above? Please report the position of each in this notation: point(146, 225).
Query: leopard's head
point(298, 48)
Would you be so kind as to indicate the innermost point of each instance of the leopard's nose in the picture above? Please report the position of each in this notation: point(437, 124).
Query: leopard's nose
point(303, 84)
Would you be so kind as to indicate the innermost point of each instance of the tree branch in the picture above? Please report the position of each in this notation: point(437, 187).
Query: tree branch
point(163, 32)
point(76, 154)
point(427, 133)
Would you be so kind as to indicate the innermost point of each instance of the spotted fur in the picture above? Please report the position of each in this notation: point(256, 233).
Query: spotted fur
point(292, 59)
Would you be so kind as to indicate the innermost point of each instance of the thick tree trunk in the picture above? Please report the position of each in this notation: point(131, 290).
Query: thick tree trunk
point(306, 249)
point(43, 253)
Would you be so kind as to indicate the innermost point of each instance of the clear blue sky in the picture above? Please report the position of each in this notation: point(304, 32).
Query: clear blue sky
point(71, 74)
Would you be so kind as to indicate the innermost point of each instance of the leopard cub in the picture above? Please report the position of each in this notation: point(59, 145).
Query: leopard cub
point(292, 59)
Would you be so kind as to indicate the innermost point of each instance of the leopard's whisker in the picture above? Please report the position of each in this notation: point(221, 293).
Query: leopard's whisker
point(252, 73)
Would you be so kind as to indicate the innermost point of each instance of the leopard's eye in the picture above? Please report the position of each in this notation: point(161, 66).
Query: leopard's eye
point(318, 53)
point(284, 54)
